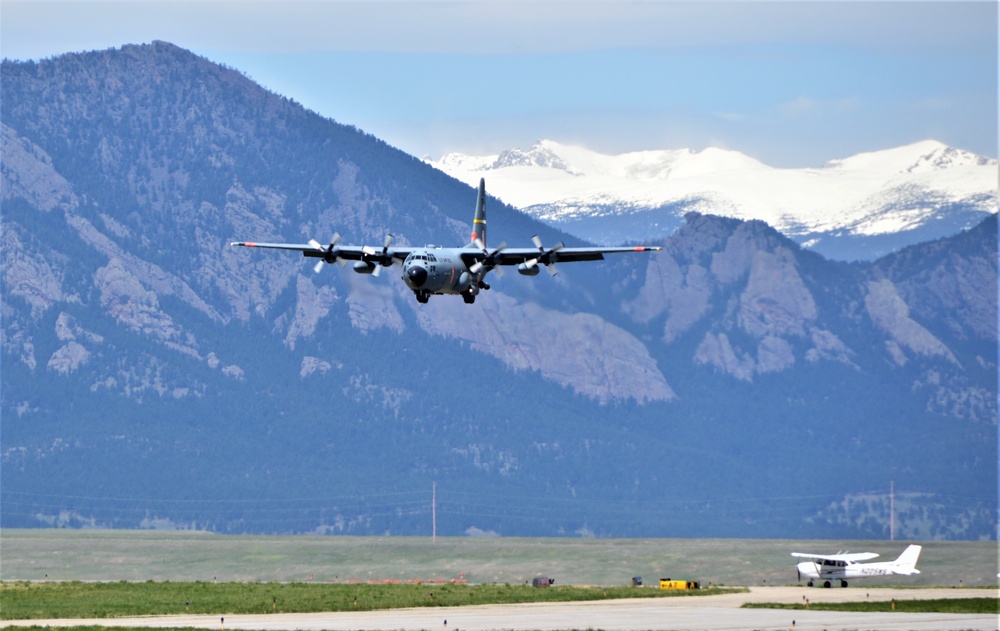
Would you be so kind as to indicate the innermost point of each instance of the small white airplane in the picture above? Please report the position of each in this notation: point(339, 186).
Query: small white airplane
point(842, 566)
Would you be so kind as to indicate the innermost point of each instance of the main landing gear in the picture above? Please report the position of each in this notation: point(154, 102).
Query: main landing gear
point(843, 583)
point(469, 295)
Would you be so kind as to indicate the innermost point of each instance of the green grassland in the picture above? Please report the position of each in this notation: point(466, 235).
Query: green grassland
point(27, 601)
point(139, 556)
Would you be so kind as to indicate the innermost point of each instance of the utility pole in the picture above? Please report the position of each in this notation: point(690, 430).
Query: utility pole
point(892, 511)
point(434, 514)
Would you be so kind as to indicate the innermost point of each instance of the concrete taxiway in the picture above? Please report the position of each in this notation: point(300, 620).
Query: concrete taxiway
point(713, 613)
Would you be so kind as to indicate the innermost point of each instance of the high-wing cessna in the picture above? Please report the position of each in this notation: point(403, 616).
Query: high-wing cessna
point(433, 270)
point(842, 566)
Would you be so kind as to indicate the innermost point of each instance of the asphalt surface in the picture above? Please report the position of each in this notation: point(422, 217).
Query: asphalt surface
point(713, 613)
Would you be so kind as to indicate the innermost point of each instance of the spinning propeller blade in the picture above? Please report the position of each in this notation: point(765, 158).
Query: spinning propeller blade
point(546, 257)
point(488, 262)
point(330, 253)
point(381, 258)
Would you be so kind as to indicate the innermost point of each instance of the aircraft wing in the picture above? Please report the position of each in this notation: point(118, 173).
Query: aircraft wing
point(840, 556)
point(347, 252)
point(515, 256)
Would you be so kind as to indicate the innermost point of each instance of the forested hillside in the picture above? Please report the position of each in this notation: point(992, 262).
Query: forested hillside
point(730, 385)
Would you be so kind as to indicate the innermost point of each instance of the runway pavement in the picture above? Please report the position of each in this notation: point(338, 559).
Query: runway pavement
point(712, 613)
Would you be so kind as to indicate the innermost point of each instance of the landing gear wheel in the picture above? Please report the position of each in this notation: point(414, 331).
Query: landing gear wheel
point(422, 297)
point(826, 583)
point(469, 298)
point(809, 584)
point(843, 583)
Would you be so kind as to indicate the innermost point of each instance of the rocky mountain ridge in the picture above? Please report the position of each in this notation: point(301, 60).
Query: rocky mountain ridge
point(144, 358)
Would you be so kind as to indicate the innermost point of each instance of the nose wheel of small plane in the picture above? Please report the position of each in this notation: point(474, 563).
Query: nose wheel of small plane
point(469, 298)
point(422, 297)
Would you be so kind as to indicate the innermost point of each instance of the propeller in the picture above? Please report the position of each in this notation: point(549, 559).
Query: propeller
point(382, 258)
point(330, 253)
point(488, 262)
point(546, 257)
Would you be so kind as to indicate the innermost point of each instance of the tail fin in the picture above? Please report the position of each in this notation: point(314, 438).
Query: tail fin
point(479, 221)
point(907, 562)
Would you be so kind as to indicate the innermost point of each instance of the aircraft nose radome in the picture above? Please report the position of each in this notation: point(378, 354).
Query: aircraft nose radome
point(417, 276)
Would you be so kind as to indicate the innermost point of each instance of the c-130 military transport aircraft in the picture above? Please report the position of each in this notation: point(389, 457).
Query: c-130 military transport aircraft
point(433, 270)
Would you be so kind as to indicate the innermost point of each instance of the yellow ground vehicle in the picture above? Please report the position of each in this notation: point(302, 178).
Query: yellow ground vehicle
point(666, 583)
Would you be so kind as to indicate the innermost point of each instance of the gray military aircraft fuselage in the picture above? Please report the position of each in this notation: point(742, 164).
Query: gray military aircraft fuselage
point(432, 270)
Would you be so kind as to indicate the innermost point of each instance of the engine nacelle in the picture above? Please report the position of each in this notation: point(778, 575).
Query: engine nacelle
point(364, 267)
point(464, 282)
point(522, 268)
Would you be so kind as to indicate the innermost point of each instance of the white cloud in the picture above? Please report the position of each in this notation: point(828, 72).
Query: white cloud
point(799, 105)
point(731, 117)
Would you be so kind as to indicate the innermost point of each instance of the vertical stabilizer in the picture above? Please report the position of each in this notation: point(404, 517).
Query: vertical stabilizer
point(479, 221)
point(907, 562)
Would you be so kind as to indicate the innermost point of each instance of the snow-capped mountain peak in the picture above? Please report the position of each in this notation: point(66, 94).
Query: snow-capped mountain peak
point(920, 157)
point(887, 192)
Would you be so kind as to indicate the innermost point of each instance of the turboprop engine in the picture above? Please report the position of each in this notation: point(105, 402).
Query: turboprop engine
point(527, 270)
point(464, 282)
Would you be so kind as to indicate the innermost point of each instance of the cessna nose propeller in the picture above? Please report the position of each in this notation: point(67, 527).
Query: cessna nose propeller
point(330, 254)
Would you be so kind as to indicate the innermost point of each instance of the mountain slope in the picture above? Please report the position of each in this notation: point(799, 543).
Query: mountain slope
point(856, 208)
point(155, 377)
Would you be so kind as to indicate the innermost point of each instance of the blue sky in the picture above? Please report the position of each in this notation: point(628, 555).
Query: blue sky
point(790, 83)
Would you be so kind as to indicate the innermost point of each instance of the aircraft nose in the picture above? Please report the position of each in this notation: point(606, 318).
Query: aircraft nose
point(417, 276)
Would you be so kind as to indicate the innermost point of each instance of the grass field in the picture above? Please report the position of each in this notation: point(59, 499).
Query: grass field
point(139, 556)
point(28, 600)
